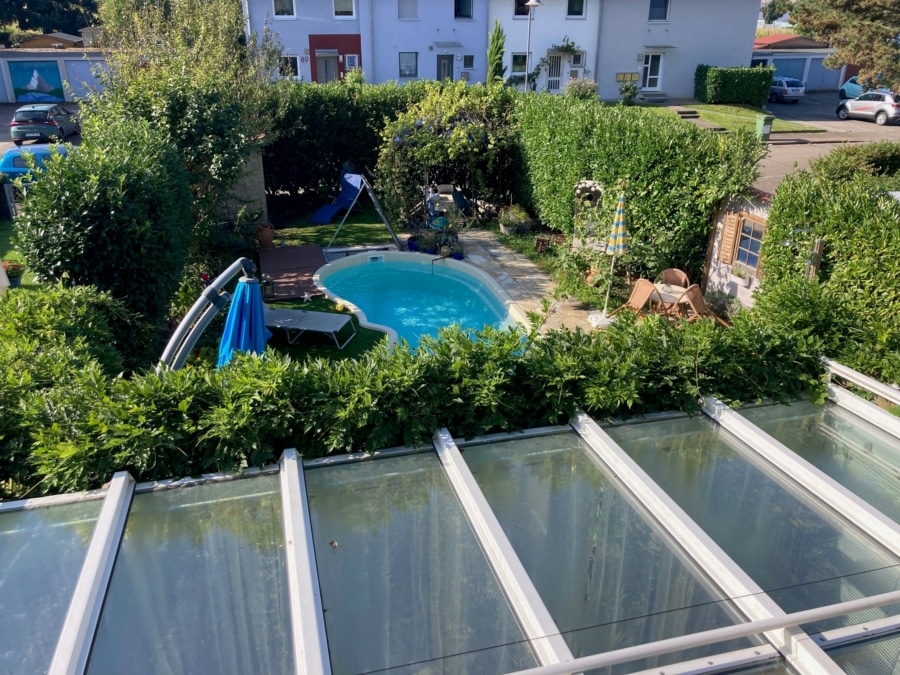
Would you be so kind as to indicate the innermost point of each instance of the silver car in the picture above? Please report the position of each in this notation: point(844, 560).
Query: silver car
point(786, 89)
point(883, 107)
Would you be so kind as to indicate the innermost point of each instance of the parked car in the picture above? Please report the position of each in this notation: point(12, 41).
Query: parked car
point(43, 122)
point(853, 89)
point(883, 107)
point(14, 163)
point(786, 89)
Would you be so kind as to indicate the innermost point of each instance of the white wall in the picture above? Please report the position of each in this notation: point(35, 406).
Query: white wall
point(714, 32)
point(435, 23)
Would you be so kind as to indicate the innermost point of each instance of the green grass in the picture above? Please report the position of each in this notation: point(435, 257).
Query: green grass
point(363, 228)
point(10, 252)
point(743, 117)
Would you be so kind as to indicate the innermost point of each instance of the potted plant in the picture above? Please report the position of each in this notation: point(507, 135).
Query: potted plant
point(514, 219)
point(740, 276)
point(428, 242)
point(412, 243)
point(14, 271)
point(456, 251)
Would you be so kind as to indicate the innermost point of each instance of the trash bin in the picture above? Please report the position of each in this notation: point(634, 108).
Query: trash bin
point(764, 126)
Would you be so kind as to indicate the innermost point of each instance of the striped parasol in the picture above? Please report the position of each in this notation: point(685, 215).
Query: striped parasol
point(617, 244)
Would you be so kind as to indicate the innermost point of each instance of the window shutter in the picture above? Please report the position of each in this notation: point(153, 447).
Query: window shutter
point(728, 240)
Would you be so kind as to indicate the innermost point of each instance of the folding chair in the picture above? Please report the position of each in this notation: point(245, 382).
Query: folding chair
point(644, 294)
point(674, 277)
point(694, 306)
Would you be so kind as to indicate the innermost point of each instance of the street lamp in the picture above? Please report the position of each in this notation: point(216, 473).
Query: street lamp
point(531, 4)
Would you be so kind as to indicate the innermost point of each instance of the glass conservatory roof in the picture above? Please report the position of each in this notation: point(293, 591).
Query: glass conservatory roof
point(761, 541)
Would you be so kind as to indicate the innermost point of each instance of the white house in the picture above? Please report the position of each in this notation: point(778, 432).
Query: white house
point(656, 43)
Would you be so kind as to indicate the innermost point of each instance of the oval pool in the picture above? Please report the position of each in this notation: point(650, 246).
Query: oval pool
point(410, 295)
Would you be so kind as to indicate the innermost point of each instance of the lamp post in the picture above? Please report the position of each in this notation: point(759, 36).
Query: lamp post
point(531, 4)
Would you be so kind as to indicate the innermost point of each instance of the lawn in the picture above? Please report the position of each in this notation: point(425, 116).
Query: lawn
point(362, 228)
point(735, 117)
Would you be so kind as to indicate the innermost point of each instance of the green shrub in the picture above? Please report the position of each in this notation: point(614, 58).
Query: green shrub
point(750, 86)
point(583, 88)
point(880, 160)
point(676, 174)
point(114, 214)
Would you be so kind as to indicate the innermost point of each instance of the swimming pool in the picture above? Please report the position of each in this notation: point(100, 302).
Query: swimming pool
point(410, 295)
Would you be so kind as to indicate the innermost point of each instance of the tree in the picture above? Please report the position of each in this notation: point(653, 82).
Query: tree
point(863, 32)
point(496, 49)
point(775, 9)
point(47, 16)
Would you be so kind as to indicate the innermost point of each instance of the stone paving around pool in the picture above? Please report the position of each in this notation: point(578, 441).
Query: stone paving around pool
point(521, 279)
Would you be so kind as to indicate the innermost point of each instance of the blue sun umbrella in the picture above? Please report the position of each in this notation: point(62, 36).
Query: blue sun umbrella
point(617, 244)
point(245, 326)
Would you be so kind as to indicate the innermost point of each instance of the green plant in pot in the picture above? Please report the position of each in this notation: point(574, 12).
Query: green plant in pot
point(14, 271)
point(514, 219)
point(427, 241)
point(741, 276)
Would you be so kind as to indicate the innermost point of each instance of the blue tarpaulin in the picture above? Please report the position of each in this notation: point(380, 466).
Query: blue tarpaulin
point(245, 327)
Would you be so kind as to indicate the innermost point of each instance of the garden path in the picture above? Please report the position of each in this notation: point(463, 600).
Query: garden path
point(521, 279)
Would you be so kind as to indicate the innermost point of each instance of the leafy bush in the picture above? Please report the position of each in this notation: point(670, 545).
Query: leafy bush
point(733, 85)
point(854, 308)
point(582, 88)
point(676, 174)
point(628, 91)
point(880, 160)
point(114, 214)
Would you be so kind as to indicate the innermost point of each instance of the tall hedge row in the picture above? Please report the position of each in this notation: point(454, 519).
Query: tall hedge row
point(675, 173)
point(750, 86)
point(319, 127)
point(859, 224)
point(71, 424)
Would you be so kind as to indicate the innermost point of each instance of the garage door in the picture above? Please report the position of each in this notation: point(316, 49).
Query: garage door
point(789, 67)
point(822, 78)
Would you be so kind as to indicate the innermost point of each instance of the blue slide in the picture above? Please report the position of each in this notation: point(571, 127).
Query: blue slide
point(351, 186)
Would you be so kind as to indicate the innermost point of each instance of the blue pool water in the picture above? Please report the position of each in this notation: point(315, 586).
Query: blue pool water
point(417, 300)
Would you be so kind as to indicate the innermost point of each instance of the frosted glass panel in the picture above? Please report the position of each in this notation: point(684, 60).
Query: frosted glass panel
point(199, 585)
point(794, 547)
point(875, 657)
point(41, 554)
point(855, 453)
point(404, 583)
point(608, 578)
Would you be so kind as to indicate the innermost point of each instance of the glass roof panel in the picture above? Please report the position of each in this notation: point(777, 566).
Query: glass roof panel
point(609, 579)
point(405, 585)
point(41, 554)
point(873, 657)
point(855, 453)
point(199, 584)
point(799, 551)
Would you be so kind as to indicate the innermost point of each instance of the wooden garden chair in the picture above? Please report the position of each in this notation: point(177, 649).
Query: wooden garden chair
point(673, 277)
point(642, 299)
point(694, 306)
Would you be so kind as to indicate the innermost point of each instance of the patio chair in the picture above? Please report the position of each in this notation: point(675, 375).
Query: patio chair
point(643, 295)
point(674, 277)
point(694, 306)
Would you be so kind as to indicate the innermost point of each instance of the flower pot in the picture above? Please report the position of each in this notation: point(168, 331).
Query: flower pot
point(457, 256)
point(742, 282)
point(15, 282)
point(412, 244)
point(265, 232)
point(430, 251)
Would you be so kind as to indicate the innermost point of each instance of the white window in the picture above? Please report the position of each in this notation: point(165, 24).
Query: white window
point(462, 9)
point(575, 8)
point(409, 64)
point(343, 9)
point(289, 66)
point(407, 9)
point(659, 10)
point(518, 63)
point(351, 61)
point(284, 8)
point(578, 59)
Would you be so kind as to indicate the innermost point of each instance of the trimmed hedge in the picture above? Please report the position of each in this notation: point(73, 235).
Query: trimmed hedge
point(72, 431)
point(750, 86)
point(676, 173)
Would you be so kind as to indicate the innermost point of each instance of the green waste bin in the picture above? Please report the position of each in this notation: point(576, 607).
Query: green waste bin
point(764, 126)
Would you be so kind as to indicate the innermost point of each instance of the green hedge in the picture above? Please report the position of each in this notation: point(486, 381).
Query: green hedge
point(74, 424)
point(319, 127)
point(676, 173)
point(857, 314)
point(750, 86)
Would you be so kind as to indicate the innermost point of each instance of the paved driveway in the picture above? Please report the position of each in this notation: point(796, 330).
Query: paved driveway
point(817, 109)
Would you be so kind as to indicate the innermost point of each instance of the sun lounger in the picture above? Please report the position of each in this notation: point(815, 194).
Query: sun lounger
point(295, 322)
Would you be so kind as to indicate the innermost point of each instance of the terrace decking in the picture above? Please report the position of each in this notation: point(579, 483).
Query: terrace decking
point(291, 268)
